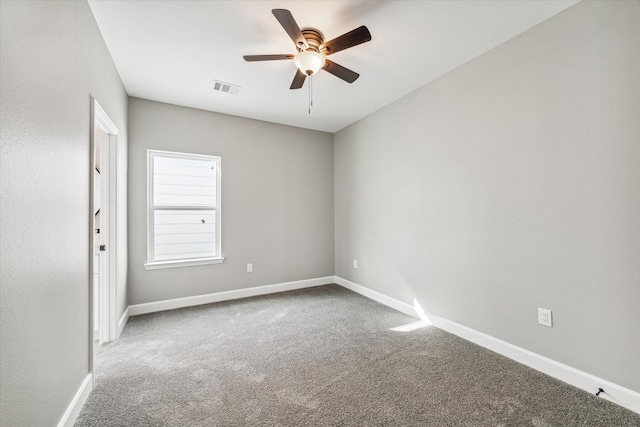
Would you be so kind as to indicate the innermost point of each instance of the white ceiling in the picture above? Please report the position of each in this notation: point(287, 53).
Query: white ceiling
point(172, 51)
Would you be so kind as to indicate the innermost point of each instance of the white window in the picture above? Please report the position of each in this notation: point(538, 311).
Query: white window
point(184, 210)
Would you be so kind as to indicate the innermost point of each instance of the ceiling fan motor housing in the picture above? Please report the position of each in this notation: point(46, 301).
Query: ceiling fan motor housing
point(314, 39)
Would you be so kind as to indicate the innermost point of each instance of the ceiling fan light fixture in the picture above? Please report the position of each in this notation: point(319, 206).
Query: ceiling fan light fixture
point(309, 62)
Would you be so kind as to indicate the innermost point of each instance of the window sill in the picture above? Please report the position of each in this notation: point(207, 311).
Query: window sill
point(182, 263)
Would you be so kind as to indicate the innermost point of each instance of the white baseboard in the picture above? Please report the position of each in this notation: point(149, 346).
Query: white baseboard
point(622, 396)
point(78, 401)
point(151, 307)
point(613, 392)
point(122, 322)
point(403, 307)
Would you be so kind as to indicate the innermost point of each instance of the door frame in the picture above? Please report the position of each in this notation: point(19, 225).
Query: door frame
point(100, 120)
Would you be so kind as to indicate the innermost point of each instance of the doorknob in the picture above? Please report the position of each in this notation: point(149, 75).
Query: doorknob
point(103, 248)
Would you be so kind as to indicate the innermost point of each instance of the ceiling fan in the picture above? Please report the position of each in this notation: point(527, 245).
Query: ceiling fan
point(313, 50)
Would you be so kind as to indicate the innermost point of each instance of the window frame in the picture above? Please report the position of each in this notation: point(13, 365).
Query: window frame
point(153, 264)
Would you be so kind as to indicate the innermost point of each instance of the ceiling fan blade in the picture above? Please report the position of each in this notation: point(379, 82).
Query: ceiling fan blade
point(252, 58)
point(341, 72)
point(298, 80)
point(285, 18)
point(352, 38)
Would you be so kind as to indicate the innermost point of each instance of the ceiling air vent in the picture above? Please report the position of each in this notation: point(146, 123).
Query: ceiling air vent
point(225, 87)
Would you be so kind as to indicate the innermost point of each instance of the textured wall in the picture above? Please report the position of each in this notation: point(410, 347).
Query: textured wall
point(511, 183)
point(277, 200)
point(53, 60)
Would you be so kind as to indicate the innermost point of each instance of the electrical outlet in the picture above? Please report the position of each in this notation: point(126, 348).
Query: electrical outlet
point(544, 317)
point(249, 268)
point(355, 263)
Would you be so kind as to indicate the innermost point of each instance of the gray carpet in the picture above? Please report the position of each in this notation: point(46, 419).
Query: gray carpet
point(320, 356)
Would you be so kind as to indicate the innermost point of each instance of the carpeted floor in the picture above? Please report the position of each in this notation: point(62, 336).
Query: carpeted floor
point(320, 356)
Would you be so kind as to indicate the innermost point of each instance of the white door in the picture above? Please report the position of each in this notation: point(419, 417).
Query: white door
point(103, 319)
point(101, 247)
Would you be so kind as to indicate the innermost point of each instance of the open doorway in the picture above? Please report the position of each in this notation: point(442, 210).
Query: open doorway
point(103, 288)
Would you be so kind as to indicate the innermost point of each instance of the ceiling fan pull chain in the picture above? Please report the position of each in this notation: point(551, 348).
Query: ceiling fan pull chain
point(310, 93)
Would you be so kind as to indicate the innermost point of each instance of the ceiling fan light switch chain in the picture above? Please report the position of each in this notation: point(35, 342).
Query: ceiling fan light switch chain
point(310, 93)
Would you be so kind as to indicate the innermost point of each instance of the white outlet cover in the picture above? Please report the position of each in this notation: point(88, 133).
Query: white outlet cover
point(249, 268)
point(544, 317)
point(355, 263)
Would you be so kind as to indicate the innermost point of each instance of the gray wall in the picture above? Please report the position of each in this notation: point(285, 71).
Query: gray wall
point(511, 183)
point(53, 60)
point(277, 200)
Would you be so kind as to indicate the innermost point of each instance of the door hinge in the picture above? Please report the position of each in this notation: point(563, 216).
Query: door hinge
point(103, 248)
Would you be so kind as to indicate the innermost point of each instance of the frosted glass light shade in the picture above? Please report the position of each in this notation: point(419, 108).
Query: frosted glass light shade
point(309, 62)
